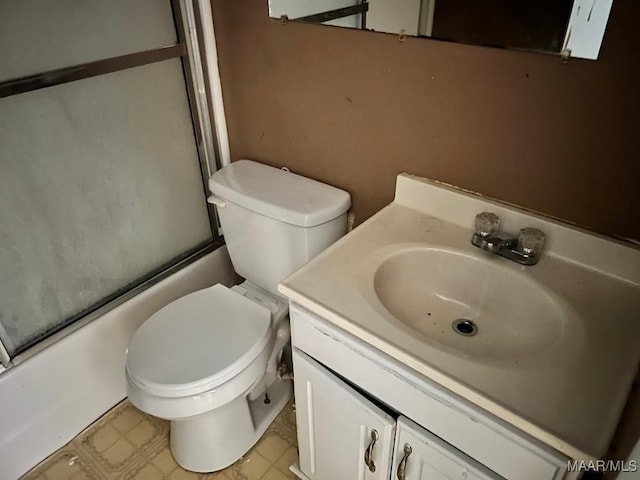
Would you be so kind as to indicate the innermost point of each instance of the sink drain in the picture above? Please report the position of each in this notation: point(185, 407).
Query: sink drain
point(467, 328)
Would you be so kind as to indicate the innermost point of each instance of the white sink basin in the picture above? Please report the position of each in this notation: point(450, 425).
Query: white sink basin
point(428, 289)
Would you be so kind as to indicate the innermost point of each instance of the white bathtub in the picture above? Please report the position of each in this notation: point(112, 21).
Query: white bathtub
point(49, 398)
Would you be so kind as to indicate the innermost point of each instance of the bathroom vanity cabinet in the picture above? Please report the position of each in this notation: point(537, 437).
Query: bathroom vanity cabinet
point(363, 415)
point(376, 322)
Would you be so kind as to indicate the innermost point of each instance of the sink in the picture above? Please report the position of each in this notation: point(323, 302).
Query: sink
point(557, 344)
point(475, 306)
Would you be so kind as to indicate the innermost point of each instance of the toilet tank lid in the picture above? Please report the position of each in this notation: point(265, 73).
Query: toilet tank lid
point(279, 194)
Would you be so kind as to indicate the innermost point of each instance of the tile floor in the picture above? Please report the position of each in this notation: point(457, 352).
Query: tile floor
point(127, 444)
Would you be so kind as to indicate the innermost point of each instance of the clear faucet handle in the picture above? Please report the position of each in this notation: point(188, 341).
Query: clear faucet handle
point(486, 223)
point(530, 241)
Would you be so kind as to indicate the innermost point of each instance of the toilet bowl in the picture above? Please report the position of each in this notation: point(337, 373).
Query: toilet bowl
point(207, 362)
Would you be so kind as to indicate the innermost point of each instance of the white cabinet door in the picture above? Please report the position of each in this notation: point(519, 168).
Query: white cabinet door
point(337, 427)
point(420, 455)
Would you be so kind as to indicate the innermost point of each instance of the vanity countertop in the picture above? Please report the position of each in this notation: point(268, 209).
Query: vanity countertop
point(569, 397)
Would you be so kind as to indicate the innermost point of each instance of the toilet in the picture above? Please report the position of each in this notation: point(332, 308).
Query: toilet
point(208, 362)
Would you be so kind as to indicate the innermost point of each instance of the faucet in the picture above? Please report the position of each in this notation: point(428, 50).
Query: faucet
point(525, 248)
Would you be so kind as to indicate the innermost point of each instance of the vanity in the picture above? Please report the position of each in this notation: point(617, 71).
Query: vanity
point(418, 355)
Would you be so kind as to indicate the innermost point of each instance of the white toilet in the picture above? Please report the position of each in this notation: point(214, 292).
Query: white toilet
point(208, 361)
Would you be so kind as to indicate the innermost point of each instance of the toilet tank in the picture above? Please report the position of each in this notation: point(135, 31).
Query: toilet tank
point(275, 221)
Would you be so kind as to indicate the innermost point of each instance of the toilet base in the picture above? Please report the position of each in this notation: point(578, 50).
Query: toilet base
point(214, 440)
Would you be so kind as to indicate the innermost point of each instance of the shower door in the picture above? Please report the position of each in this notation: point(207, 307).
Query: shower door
point(104, 154)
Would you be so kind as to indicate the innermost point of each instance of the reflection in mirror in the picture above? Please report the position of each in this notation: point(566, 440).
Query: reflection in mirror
point(568, 27)
point(521, 24)
point(339, 13)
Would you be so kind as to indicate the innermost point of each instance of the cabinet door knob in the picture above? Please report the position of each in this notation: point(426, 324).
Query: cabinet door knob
point(368, 453)
point(402, 467)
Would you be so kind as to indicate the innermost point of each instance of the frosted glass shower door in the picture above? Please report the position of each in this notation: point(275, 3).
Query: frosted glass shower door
point(99, 185)
point(42, 35)
point(102, 184)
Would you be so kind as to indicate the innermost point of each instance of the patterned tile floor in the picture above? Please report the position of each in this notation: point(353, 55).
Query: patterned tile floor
point(127, 444)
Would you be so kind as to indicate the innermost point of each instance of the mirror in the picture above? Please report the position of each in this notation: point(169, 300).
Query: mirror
point(563, 27)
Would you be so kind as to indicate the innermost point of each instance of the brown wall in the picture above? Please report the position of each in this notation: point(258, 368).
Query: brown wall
point(354, 109)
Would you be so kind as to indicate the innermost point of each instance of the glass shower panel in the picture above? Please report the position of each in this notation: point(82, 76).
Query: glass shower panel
point(100, 185)
point(41, 35)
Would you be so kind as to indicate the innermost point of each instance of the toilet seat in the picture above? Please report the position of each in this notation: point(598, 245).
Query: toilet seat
point(197, 343)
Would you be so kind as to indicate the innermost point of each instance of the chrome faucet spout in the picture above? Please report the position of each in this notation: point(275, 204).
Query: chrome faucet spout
point(493, 243)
